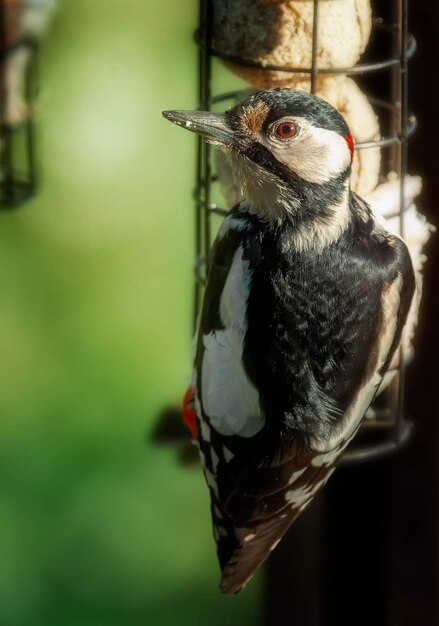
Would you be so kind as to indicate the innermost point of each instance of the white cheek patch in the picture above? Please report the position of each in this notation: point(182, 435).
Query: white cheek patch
point(263, 193)
point(317, 155)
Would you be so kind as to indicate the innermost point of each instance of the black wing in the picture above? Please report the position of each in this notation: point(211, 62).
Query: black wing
point(320, 379)
point(321, 333)
point(265, 502)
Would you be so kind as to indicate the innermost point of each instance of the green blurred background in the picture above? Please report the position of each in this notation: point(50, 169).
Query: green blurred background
point(97, 527)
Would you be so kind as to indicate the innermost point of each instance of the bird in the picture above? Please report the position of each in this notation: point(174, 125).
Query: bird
point(305, 302)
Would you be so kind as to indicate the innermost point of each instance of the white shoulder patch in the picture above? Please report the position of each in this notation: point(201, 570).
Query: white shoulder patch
point(229, 398)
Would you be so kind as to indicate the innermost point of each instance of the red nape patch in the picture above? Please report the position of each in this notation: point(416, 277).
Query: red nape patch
point(351, 144)
point(189, 415)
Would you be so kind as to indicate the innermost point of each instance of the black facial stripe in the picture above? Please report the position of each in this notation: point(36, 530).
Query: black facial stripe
point(313, 196)
point(260, 155)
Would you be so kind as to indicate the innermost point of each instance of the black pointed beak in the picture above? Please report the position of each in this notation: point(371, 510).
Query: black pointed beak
point(212, 126)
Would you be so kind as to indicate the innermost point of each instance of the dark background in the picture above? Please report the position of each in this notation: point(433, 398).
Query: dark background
point(366, 552)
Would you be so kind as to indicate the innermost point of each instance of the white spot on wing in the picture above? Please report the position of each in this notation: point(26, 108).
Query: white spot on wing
point(205, 430)
point(210, 479)
point(296, 497)
point(301, 496)
point(202, 458)
point(296, 475)
point(328, 458)
point(275, 544)
point(228, 456)
point(215, 460)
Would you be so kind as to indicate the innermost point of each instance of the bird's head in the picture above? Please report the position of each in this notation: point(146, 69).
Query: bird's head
point(287, 149)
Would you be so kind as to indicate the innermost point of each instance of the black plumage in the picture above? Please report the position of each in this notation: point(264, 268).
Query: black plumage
point(304, 307)
point(314, 324)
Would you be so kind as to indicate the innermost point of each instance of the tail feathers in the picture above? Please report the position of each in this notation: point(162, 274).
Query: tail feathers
point(255, 545)
point(264, 504)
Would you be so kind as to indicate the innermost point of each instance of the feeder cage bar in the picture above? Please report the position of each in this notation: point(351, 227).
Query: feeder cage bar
point(18, 171)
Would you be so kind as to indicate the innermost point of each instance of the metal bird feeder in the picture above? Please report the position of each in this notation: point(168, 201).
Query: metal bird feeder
point(385, 67)
point(18, 174)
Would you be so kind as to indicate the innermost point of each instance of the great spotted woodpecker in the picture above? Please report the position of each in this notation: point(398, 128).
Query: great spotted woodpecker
point(306, 299)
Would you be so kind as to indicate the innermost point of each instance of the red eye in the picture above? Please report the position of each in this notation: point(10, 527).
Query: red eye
point(286, 130)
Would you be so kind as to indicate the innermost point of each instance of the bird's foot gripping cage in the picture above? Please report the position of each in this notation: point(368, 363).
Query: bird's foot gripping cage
point(18, 64)
point(382, 72)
